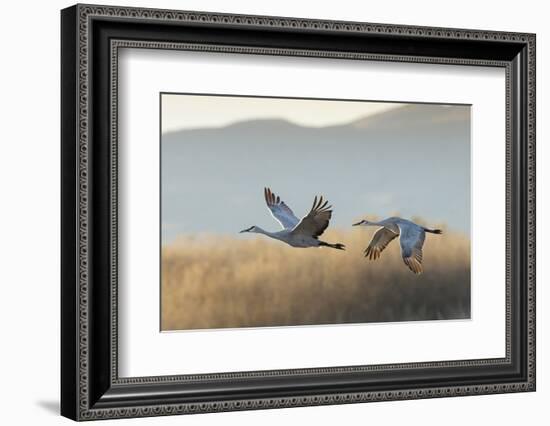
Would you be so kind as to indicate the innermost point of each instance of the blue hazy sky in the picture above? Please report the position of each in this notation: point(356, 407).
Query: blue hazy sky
point(366, 158)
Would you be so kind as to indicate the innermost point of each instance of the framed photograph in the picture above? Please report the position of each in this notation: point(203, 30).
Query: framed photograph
point(263, 212)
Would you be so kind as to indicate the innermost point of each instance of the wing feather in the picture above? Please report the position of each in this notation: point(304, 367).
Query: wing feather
point(279, 210)
point(379, 242)
point(317, 220)
point(412, 240)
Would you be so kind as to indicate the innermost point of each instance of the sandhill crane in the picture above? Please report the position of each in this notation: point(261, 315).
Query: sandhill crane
point(411, 238)
point(298, 233)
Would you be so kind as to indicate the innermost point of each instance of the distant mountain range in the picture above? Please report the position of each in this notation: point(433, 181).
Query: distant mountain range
point(414, 159)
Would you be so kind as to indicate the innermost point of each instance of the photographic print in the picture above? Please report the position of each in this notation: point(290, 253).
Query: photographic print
point(291, 211)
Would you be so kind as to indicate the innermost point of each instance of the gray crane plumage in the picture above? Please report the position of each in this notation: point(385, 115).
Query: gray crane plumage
point(411, 238)
point(296, 232)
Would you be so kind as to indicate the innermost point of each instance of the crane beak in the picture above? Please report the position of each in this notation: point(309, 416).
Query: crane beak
point(246, 230)
point(358, 223)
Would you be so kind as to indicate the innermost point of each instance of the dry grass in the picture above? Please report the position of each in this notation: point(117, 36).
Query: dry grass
point(218, 282)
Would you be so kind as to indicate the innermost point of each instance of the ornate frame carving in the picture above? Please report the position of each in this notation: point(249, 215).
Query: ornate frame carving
point(86, 398)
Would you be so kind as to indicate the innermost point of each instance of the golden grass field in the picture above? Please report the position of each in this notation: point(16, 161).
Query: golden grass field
point(251, 281)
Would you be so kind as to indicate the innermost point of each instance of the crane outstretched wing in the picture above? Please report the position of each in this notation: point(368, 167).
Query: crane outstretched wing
point(412, 240)
point(316, 221)
point(379, 242)
point(280, 211)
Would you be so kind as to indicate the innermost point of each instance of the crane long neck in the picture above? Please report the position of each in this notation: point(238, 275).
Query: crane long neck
point(259, 230)
point(381, 223)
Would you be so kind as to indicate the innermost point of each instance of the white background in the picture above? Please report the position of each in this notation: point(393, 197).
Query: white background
point(146, 352)
point(29, 168)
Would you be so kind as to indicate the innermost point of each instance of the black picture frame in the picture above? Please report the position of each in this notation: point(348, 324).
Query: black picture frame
point(90, 386)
